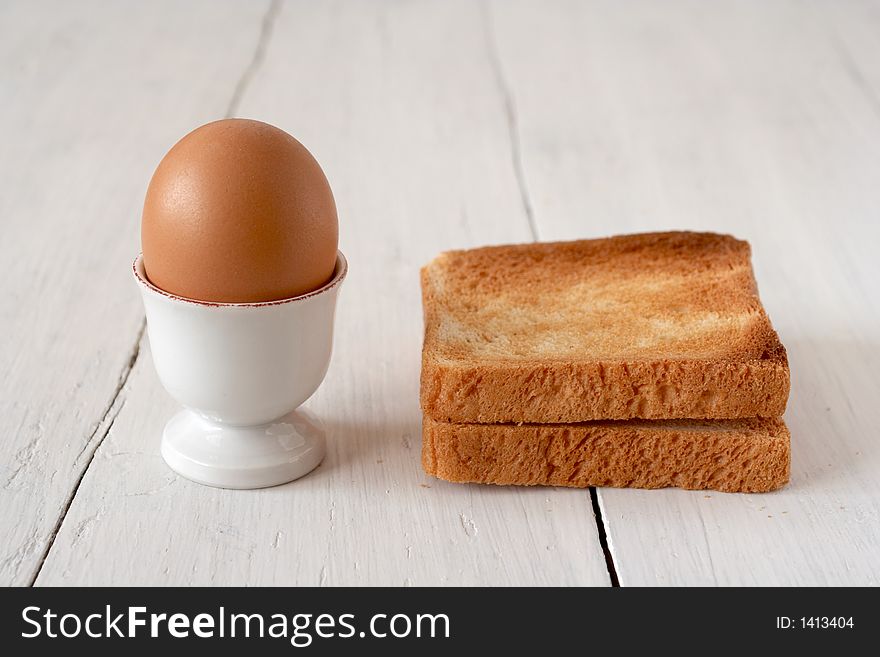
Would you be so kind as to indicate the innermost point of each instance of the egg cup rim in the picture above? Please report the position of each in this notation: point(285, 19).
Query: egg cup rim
point(339, 272)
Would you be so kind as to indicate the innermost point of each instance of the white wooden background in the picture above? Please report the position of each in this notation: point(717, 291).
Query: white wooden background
point(440, 125)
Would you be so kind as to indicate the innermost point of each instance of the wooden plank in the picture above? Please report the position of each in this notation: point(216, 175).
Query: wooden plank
point(400, 103)
point(759, 119)
point(89, 105)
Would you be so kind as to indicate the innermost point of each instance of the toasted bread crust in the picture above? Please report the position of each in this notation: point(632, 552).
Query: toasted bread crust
point(747, 456)
point(578, 392)
point(652, 326)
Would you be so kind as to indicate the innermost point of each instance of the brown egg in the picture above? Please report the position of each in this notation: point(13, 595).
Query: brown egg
point(239, 211)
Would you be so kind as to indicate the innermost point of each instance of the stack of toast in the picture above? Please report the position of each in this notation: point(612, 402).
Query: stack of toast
point(639, 360)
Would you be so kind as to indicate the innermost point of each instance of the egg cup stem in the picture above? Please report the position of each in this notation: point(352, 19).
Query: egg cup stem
point(241, 457)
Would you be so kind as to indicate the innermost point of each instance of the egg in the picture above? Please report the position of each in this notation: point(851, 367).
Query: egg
point(238, 211)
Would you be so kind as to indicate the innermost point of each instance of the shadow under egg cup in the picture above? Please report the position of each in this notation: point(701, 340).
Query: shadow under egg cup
point(241, 370)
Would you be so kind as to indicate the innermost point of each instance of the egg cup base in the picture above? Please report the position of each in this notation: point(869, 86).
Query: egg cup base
point(243, 457)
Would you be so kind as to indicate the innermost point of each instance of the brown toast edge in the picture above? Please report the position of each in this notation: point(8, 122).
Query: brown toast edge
point(556, 392)
point(746, 456)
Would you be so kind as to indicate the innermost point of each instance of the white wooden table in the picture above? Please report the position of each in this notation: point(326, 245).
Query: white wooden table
point(439, 125)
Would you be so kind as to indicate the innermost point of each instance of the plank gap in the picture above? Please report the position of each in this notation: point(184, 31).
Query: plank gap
point(511, 116)
point(112, 412)
point(603, 538)
point(259, 55)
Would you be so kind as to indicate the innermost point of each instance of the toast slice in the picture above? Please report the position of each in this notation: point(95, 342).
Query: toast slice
point(652, 326)
point(746, 456)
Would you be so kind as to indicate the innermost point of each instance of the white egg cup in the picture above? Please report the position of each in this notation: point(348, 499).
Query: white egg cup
point(241, 370)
